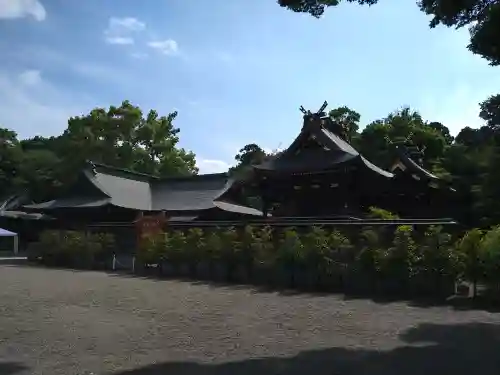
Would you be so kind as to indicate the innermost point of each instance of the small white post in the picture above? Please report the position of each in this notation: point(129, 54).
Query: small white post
point(133, 264)
point(114, 262)
point(16, 244)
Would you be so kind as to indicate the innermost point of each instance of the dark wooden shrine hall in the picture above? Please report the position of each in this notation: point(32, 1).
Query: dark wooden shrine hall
point(319, 175)
point(322, 174)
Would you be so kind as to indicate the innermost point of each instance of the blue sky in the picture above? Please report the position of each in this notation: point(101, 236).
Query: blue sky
point(236, 70)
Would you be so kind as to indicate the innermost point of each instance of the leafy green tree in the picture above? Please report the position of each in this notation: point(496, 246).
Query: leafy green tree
point(317, 7)
point(348, 119)
point(404, 126)
point(10, 162)
point(123, 137)
point(41, 174)
point(490, 111)
point(249, 155)
point(483, 17)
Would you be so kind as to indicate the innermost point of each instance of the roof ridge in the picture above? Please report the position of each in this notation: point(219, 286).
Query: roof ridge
point(153, 177)
point(194, 176)
point(122, 170)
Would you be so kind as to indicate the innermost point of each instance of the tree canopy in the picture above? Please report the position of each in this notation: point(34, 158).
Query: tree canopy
point(117, 136)
point(468, 161)
point(123, 137)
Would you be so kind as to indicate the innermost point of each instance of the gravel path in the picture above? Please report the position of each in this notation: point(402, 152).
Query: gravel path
point(64, 322)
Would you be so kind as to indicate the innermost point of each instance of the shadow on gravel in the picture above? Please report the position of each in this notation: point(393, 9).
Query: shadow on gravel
point(11, 368)
point(455, 302)
point(443, 349)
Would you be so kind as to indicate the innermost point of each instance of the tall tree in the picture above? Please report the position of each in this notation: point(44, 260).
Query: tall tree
point(10, 161)
point(490, 111)
point(347, 118)
point(122, 137)
point(403, 126)
point(249, 155)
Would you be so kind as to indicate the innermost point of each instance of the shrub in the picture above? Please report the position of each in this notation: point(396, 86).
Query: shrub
point(177, 247)
point(214, 246)
point(264, 254)
point(195, 246)
point(491, 254)
point(151, 249)
point(436, 262)
point(316, 250)
point(470, 250)
point(231, 248)
point(429, 261)
point(379, 213)
point(339, 254)
point(397, 263)
point(107, 243)
point(248, 246)
point(290, 253)
point(369, 259)
point(50, 247)
point(72, 248)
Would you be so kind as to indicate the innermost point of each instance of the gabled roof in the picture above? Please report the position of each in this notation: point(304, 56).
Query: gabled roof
point(13, 202)
point(407, 164)
point(333, 152)
point(105, 185)
point(191, 193)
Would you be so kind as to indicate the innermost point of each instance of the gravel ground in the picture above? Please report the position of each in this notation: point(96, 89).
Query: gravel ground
point(65, 322)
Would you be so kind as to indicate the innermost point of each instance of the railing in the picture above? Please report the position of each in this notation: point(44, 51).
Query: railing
point(295, 221)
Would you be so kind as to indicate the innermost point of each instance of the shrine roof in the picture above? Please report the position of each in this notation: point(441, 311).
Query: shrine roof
point(105, 185)
point(333, 152)
point(412, 166)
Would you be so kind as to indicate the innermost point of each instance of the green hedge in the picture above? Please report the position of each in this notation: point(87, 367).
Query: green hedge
point(72, 249)
point(409, 263)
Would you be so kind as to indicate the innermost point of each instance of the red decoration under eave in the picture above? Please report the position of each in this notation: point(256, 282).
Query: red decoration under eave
point(148, 225)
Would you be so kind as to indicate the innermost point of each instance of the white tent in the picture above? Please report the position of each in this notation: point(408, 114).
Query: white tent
point(6, 233)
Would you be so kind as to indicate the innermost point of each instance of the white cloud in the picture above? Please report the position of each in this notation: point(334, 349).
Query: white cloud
point(127, 23)
point(30, 77)
point(11, 9)
point(167, 46)
point(212, 166)
point(39, 109)
point(119, 40)
point(120, 30)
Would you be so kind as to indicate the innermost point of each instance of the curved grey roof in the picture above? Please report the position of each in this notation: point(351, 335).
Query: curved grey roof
point(126, 189)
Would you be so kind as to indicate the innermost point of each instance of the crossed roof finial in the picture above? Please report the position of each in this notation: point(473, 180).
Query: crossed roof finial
point(307, 112)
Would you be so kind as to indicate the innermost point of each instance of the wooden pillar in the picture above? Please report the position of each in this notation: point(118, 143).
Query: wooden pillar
point(16, 244)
